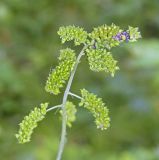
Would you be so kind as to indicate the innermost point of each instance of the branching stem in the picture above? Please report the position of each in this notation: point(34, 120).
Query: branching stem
point(64, 116)
point(74, 95)
point(54, 107)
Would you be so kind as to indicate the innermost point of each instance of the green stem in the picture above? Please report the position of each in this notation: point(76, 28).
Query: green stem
point(64, 116)
point(54, 107)
point(75, 95)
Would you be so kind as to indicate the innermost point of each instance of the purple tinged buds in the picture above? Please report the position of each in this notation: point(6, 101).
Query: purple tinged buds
point(117, 37)
point(122, 36)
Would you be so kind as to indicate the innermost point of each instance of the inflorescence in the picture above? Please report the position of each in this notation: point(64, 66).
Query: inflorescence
point(98, 109)
point(97, 45)
point(60, 74)
point(30, 122)
point(70, 112)
point(101, 60)
point(72, 33)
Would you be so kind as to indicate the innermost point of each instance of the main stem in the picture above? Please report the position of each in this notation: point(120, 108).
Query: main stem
point(64, 116)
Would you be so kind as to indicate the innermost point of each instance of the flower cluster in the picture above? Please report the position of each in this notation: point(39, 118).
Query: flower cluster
point(131, 35)
point(61, 73)
point(101, 60)
point(30, 122)
point(96, 106)
point(70, 112)
point(97, 46)
point(102, 35)
point(122, 36)
point(103, 38)
point(72, 33)
point(134, 33)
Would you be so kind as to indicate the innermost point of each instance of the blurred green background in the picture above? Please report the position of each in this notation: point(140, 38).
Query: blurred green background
point(29, 47)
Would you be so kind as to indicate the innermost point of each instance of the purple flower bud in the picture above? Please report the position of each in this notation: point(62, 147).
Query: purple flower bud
point(117, 37)
point(125, 36)
point(122, 36)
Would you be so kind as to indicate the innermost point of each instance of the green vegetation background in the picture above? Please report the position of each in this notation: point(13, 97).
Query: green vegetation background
point(29, 47)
